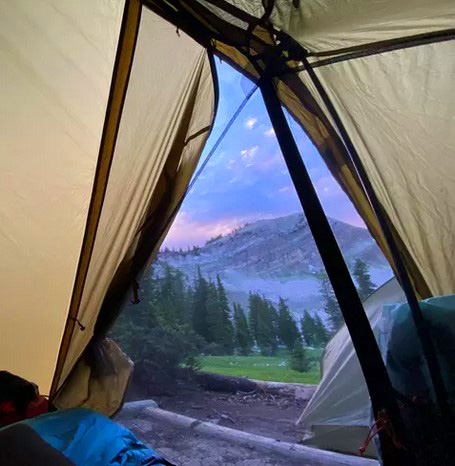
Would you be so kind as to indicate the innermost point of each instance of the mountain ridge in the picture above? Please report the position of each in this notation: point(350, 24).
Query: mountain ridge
point(276, 257)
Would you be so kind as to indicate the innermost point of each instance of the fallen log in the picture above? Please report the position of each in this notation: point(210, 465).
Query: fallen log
point(306, 455)
point(225, 383)
point(297, 390)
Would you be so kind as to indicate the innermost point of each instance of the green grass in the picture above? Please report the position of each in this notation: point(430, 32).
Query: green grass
point(274, 368)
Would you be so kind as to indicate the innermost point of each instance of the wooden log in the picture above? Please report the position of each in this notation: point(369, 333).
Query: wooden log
point(224, 383)
point(297, 390)
point(306, 455)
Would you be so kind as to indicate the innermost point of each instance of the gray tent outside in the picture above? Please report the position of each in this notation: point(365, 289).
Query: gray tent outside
point(338, 415)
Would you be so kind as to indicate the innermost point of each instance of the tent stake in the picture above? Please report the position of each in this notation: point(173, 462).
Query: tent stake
point(423, 332)
point(377, 380)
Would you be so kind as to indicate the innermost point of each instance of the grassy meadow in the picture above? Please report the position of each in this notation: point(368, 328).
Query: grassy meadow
point(270, 368)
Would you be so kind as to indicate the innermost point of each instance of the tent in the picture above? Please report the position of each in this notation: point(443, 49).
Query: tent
point(338, 415)
point(105, 109)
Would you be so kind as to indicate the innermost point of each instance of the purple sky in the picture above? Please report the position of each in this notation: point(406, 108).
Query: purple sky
point(246, 179)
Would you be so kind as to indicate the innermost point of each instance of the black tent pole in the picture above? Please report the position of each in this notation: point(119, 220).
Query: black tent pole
point(379, 386)
point(422, 327)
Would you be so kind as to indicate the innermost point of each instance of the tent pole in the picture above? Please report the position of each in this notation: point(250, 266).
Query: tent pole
point(363, 340)
point(423, 332)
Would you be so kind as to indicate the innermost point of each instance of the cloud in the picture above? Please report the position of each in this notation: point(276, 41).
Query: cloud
point(269, 161)
point(249, 153)
point(251, 122)
point(284, 189)
point(187, 231)
point(270, 133)
point(230, 164)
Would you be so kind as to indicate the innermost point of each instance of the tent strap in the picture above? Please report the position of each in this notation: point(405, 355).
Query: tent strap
point(422, 327)
point(364, 342)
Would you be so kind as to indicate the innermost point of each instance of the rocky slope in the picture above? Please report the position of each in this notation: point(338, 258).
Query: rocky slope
point(276, 257)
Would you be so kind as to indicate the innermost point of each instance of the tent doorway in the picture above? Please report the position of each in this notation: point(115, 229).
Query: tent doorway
point(240, 248)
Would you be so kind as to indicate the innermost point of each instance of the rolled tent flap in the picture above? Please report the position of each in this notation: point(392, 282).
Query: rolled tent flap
point(56, 60)
point(166, 118)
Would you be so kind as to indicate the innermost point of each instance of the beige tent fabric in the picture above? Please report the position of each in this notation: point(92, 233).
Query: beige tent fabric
point(337, 416)
point(54, 87)
point(398, 110)
point(170, 90)
point(328, 25)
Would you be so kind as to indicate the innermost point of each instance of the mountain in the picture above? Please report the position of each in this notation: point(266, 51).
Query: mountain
point(276, 257)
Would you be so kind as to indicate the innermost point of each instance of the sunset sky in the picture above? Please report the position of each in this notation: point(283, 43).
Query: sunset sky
point(246, 179)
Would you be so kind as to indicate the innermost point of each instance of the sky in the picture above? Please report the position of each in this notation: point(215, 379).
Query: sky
point(246, 179)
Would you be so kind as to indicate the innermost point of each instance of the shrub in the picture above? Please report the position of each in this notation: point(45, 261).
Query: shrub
point(299, 361)
point(213, 349)
point(165, 348)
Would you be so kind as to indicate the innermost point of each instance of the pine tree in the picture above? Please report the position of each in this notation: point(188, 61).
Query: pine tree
point(227, 330)
point(363, 278)
point(273, 316)
point(214, 319)
point(288, 332)
point(263, 319)
point(321, 335)
point(308, 328)
point(331, 306)
point(267, 327)
point(253, 315)
point(171, 304)
point(299, 361)
point(199, 307)
point(242, 333)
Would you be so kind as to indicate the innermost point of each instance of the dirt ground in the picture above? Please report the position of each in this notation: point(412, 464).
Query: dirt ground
point(185, 447)
point(258, 412)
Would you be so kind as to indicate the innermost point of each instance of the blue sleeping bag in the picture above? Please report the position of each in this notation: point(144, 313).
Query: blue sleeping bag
point(89, 438)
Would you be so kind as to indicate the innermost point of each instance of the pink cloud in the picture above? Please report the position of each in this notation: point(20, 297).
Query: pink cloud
point(186, 231)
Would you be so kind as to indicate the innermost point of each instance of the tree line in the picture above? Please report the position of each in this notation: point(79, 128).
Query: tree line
point(189, 318)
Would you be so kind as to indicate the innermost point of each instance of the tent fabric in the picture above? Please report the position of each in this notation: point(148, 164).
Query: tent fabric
point(122, 68)
point(166, 119)
point(338, 415)
point(402, 350)
point(58, 96)
point(409, 155)
point(328, 25)
point(54, 88)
